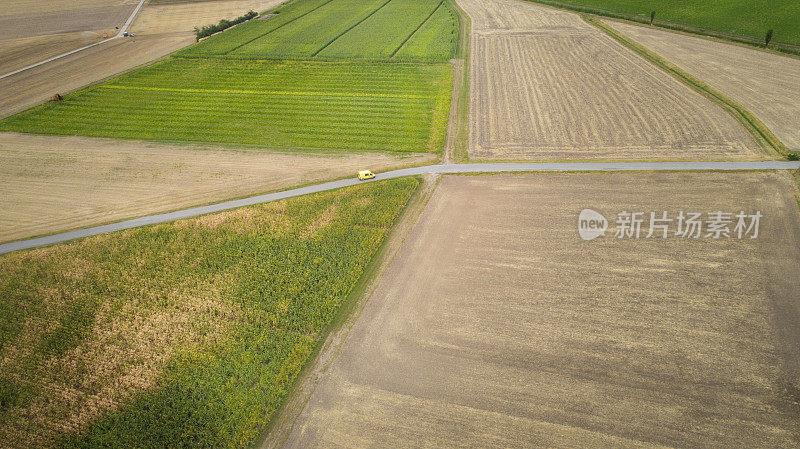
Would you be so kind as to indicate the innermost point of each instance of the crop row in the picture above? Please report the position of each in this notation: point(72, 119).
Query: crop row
point(186, 334)
point(303, 38)
point(435, 40)
point(289, 76)
point(403, 116)
point(244, 34)
point(396, 23)
point(373, 30)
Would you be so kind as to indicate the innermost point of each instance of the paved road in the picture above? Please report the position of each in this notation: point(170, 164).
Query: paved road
point(117, 36)
point(449, 168)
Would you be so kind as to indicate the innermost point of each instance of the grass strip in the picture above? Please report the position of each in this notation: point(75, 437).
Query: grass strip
point(417, 29)
point(762, 134)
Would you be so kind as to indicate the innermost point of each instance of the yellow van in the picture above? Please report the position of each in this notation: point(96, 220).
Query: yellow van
point(363, 175)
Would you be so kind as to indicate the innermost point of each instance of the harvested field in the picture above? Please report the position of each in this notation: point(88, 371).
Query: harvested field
point(497, 326)
point(57, 183)
point(546, 85)
point(763, 82)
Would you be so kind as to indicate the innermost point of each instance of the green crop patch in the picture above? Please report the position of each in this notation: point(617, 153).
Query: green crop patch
point(186, 334)
point(291, 105)
point(368, 30)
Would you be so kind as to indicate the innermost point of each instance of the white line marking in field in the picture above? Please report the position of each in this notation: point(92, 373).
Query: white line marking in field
point(447, 168)
point(117, 36)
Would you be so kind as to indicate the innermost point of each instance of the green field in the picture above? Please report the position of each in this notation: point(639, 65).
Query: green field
point(744, 17)
point(371, 30)
point(303, 105)
point(220, 311)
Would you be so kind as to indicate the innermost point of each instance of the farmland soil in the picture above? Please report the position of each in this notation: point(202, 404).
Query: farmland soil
point(496, 325)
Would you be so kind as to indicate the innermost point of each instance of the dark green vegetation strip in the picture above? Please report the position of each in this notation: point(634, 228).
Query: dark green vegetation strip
point(757, 128)
point(198, 328)
point(746, 21)
point(304, 105)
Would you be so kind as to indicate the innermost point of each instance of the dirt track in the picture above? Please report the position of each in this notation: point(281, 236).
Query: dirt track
point(547, 85)
point(57, 183)
point(765, 83)
point(497, 326)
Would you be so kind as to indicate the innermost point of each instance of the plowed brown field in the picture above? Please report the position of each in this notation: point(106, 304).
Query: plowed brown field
point(547, 85)
point(765, 83)
point(57, 183)
point(496, 326)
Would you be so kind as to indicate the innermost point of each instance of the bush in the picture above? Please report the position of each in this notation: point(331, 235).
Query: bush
point(222, 25)
point(795, 156)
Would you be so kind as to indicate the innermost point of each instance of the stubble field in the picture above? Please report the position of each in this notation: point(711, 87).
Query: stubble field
point(546, 85)
point(765, 83)
point(497, 326)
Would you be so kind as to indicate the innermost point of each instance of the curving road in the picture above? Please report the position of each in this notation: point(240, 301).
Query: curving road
point(442, 169)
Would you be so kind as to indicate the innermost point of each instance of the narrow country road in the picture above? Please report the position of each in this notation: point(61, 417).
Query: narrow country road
point(448, 168)
point(117, 36)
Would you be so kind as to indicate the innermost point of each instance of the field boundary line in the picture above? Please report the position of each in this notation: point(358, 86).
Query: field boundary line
point(350, 28)
point(270, 31)
point(268, 92)
point(417, 29)
point(499, 167)
point(761, 132)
